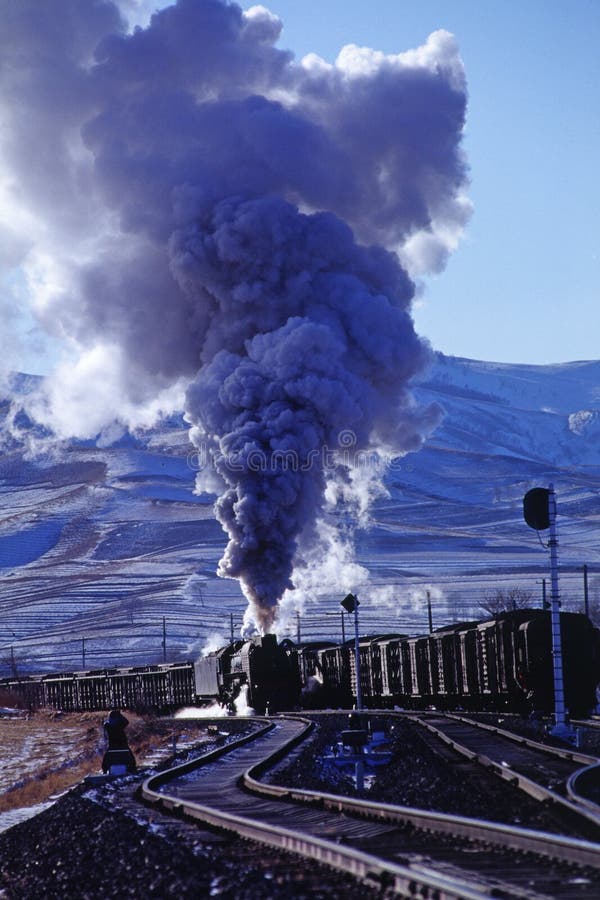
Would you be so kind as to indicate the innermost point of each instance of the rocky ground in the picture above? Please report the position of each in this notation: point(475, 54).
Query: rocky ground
point(418, 776)
point(46, 752)
point(100, 843)
point(97, 843)
point(81, 850)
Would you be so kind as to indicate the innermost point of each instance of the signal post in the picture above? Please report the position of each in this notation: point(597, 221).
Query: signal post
point(539, 510)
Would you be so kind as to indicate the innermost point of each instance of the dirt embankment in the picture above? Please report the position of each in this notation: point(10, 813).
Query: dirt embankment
point(47, 752)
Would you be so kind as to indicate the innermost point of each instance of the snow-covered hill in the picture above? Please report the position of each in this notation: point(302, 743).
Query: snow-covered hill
point(107, 556)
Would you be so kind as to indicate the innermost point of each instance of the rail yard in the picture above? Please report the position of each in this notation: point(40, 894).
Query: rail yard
point(443, 778)
point(391, 848)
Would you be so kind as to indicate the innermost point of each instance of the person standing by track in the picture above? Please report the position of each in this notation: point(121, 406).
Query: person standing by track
point(118, 753)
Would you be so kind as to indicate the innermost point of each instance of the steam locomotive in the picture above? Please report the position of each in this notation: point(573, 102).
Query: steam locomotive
point(266, 671)
point(500, 664)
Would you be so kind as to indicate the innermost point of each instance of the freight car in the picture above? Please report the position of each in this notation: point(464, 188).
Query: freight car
point(501, 664)
point(156, 687)
point(266, 670)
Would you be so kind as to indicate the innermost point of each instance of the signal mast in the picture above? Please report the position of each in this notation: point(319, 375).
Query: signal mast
point(539, 511)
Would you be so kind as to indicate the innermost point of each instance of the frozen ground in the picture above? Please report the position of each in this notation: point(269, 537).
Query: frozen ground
point(107, 556)
point(41, 754)
point(45, 754)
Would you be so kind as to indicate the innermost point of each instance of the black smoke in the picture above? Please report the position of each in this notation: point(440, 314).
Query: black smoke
point(204, 210)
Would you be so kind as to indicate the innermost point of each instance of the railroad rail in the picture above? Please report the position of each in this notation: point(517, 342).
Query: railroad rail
point(583, 788)
point(542, 771)
point(411, 851)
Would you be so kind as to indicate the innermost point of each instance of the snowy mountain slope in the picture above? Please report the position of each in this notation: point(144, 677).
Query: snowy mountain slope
point(562, 388)
point(455, 508)
point(547, 413)
point(107, 556)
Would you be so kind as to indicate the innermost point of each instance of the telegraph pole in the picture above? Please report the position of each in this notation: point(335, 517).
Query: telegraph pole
point(429, 616)
point(164, 639)
point(586, 598)
point(544, 601)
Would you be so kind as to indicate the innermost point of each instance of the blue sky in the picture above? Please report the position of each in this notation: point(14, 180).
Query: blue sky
point(524, 286)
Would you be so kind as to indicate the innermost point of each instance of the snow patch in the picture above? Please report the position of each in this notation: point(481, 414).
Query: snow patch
point(585, 422)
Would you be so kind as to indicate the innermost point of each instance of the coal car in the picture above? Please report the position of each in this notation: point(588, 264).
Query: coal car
point(500, 664)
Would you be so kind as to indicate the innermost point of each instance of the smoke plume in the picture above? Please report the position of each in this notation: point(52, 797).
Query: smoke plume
point(197, 212)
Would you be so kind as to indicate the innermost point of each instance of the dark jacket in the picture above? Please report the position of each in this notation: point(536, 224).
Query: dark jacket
point(114, 729)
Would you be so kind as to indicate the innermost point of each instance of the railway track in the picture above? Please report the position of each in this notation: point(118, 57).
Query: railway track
point(411, 852)
point(547, 773)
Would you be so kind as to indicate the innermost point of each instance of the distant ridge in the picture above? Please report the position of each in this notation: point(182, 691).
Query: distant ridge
point(101, 543)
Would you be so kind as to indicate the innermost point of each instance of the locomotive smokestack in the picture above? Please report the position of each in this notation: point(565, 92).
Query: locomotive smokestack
point(233, 221)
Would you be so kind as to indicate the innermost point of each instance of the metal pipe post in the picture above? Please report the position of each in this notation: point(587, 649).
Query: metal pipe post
point(359, 770)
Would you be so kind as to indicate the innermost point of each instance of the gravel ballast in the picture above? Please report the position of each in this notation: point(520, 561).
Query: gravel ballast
point(99, 842)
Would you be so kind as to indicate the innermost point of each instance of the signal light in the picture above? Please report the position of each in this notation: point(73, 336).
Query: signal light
point(350, 602)
point(536, 509)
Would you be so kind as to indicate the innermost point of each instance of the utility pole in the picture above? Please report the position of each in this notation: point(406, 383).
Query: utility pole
point(231, 626)
point(586, 598)
point(83, 653)
point(164, 639)
point(343, 629)
point(544, 601)
point(429, 612)
point(298, 632)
